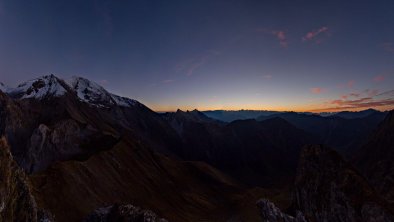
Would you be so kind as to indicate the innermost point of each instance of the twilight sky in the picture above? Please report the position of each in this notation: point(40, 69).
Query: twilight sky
point(209, 54)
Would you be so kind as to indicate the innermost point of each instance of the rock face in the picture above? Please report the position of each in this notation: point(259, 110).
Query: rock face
point(327, 188)
point(375, 159)
point(126, 213)
point(16, 201)
point(270, 213)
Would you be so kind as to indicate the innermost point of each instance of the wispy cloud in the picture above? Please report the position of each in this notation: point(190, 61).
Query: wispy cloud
point(280, 35)
point(349, 84)
point(388, 46)
point(379, 78)
point(370, 98)
point(317, 35)
point(191, 65)
point(317, 90)
point(166, 81)
point(103, 82)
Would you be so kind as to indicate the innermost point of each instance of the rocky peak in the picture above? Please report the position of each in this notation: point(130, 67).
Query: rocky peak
point(375, 158)
point(16, 201)
point(270, 213)
point(94, 94)
point(3, 87)
point(327, 188)
point(39, 88)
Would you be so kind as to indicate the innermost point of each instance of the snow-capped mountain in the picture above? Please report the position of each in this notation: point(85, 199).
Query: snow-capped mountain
point(3, 87)
point(39, 88)
point(50, 86)
point(92, 93)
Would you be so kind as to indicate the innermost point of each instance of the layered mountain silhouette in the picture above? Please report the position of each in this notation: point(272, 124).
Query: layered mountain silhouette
point(72, 151)
point(345, 135)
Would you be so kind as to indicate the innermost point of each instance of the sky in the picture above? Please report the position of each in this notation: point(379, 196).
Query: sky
point(209, 54)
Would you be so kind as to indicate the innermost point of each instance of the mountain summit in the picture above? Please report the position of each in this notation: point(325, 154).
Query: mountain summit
point(50, 86)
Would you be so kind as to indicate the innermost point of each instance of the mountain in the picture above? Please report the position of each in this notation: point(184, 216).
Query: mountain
point(375, 158)
point(327, 188)
point(256, 153)
point(344, 135)
point(131, 173)
point(80, 145)
point(356, 114)
point(47, 120)
point(3, 87)
point(229, 115)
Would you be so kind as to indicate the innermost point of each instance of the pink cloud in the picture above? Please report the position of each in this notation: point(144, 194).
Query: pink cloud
point(388, 46)
point(317, 90)
point(279, 34)
point(316, 35)
point(379, 78)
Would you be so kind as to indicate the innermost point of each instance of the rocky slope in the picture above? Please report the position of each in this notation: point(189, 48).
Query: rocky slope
point(131, 173)
point(16, 201)
point(270, 213)
point(327, 188)
point(375, 159)
point(126, 213)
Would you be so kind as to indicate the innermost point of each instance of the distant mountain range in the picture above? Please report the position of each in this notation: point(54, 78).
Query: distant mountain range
point(72, 151)
point(231, 115)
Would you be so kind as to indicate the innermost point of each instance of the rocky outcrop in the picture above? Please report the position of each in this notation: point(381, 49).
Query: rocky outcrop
point(270, 213)
point(375, 159)
point(329, 189)
point(66, 139)
point(16, 201)
point(126, 213)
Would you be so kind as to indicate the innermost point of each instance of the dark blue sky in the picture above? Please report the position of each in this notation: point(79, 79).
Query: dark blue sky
point(209, 54)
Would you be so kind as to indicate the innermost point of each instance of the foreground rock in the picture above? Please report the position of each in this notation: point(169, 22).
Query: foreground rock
point(375, 159)
point(270, 213)
point(16, 201)
point(126, 213)
point(329, 189)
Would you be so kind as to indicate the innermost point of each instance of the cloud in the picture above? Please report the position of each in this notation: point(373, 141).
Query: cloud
point(191, 65)
point(372, 99)
point(379, 78)
point(388, 46)
point(371, 92)
point(103, 82)
point(316, 35)
point(166, 81)
point(280, 35)
point(317, 90)
point(348, 84)
point(267, 76)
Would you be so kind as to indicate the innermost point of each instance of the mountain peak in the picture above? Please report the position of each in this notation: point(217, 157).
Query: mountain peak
point(39, 88)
